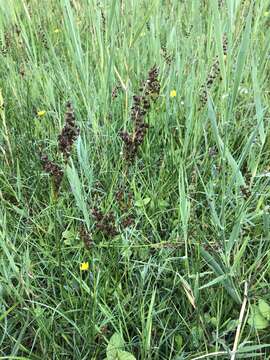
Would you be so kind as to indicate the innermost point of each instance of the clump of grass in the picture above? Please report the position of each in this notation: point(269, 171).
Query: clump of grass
point(174, 262)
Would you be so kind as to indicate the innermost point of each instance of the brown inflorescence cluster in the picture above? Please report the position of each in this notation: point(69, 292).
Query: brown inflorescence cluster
point(187, 31)
point(85, 237)
point(133, 141)
point(127, 221)
point(42, 37)
point(221, 3)
point(166, 56)
point(124, 200)
point(69, 133)
point(103, 19)
point(105, 223)
point(54, 170)
point(115, 91)
point(152, 85)
point(22, 71)
point(10, 37)
point(66, 139)
point(149, 91)
point(245, 191)
point(214, 73)
point(6, 44)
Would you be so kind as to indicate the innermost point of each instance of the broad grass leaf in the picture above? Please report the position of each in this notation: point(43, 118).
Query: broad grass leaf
point(162, 204)
point(256, 319)
point(142, 202)
point(124, 355)
point(178, 339)
point(116, 343)
point(264, 308)
point(69, 236)
point(222, 274)
point(78, 192)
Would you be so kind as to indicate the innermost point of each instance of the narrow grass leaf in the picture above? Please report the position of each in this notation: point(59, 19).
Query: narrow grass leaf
point(78, 192)
point(227, 282)
point(241, 59)
point(223, 150)
point(258, 101)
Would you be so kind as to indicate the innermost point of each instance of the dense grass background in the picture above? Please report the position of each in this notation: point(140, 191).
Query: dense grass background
point(172, 284)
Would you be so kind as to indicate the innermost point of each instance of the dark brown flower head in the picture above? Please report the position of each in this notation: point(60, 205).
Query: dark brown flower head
point(53, 170)
point(22, 71)
point(213, 74)
point(245, 191)
point(85, 237)
point(97, 214)
point(119, 195)
point(140, 133)
point(6, 43)
point(225, 44)
point(105, 223)
point(221, 3)
point(127, 221)
point(152, 82)
point(42, 36)
point(103, 18)
point(115, 91)
point(17, 30)
point(69, 133)
point(8, 39)
point(126, 137)
point(166, 56)
point(140, 107)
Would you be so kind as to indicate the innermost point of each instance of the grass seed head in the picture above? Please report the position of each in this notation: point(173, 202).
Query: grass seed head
point(69, 134)
point(54, 170)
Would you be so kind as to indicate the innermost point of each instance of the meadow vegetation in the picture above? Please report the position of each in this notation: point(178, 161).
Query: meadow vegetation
point(134, 179)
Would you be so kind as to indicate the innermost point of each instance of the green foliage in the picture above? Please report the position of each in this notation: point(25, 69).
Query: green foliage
point(114, 347)
point(264, 309)
point(257, 320)
point(260, 315)
point(170, 238)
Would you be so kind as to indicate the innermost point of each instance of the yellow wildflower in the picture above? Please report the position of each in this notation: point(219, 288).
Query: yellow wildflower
point(266, 13)
point(84, 266)
point(41, 113)
point(173, 93)
point(56, 31)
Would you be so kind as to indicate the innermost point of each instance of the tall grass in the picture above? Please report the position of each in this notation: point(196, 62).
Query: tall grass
point(176, 234)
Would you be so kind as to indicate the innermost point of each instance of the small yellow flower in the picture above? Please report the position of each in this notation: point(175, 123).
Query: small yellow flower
point(173, 93)
point(56, 31)
point(266, 13)
point(225, 57)
point(84, 266)
point(41, 113)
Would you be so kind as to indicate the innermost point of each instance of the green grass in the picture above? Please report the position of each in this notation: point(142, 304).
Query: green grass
point(172, 283)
